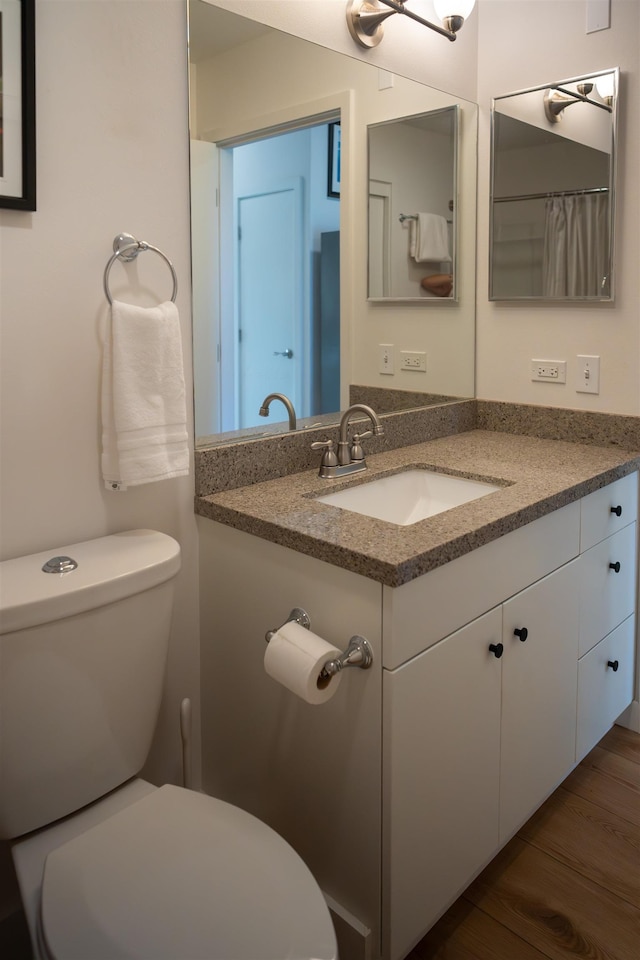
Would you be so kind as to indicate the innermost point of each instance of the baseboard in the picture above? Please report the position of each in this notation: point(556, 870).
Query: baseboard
point(355, 940)
point(631, 717)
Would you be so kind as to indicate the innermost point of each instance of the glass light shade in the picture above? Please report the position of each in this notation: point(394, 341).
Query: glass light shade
point(453, 8)
point(605, 85)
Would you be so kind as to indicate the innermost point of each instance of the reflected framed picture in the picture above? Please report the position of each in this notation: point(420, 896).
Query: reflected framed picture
point(17, 105)
point(333, 185)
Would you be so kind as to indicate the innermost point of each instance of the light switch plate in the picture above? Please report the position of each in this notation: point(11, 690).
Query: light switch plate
point(588, 375)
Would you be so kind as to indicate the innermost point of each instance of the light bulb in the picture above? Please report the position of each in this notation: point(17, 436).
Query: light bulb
point(453, 8)
point(605, 85)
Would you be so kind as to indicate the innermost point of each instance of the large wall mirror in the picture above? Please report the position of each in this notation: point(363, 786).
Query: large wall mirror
point(412, 224)
point(278, 130)
point(552, 191)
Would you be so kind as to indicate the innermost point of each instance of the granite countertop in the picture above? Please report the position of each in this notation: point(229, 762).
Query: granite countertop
point(536, 476)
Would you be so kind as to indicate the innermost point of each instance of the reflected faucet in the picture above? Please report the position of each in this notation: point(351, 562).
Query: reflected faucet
point(264, 409)
point(350, 456)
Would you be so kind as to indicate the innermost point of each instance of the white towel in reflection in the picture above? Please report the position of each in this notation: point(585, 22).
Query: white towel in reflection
point(144, 419)
point(429, 238)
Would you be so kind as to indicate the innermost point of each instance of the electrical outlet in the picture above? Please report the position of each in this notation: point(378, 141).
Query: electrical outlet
point(385, 358)
point(413, 360)
point(549, 370)
point(588, 380)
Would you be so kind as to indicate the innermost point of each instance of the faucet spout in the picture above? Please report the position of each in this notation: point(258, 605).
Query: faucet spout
point(344, 447)
point(264, 409)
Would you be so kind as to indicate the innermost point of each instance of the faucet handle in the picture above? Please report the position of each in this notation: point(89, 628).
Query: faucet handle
point(329, 458)
point(357, 453)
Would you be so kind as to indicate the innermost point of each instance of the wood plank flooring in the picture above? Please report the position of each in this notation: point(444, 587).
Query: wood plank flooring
point(568, 885)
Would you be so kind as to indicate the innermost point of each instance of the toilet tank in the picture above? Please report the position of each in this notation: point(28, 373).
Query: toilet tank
point(82, 662)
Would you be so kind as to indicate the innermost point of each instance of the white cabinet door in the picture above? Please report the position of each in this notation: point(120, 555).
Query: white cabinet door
point(539, 690)
point(441, 742)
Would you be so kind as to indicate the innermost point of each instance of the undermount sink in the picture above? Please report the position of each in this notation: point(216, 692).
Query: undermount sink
point(407, 497)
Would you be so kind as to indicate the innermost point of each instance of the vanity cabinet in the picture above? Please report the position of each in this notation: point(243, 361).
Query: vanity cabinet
point(401, 788)
point(497, 713)
point(489, 714)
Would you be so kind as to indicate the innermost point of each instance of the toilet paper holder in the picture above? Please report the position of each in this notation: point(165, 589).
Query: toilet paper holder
point(357, 654)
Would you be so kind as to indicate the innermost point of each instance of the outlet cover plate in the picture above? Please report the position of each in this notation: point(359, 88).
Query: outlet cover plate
point(549, 371)
point(413, 360)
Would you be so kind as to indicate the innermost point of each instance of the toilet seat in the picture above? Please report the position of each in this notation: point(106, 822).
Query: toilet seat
point(178, 875)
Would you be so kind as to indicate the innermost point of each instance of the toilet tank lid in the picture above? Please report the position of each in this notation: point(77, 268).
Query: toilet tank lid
point(108, 569)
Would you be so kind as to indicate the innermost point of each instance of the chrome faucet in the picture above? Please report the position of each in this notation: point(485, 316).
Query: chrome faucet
point(264, 409)
point(350, 456)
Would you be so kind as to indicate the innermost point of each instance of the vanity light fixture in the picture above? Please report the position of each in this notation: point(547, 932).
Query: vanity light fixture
point(366, 17)
point(557, 99)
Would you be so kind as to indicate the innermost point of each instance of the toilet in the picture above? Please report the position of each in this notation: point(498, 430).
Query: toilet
point(110, 866)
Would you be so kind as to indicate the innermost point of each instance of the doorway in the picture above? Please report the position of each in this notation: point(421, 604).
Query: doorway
point(274, 208)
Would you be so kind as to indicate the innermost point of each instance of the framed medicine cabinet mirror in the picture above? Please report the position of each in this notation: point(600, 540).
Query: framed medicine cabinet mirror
point(553, 165)
point(412, 175)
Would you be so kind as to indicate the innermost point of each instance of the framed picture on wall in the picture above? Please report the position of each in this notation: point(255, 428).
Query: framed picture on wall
point(333, 186)
point(17, 105)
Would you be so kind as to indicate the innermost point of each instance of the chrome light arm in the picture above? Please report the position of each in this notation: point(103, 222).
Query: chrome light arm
point(365, 20)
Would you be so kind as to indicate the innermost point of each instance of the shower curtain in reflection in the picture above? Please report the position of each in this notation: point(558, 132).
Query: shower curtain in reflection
point(576, 246)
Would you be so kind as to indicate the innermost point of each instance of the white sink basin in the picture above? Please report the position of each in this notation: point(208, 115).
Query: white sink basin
point(407, 497)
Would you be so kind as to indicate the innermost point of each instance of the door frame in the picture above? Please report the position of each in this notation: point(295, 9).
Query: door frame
point(337, 106)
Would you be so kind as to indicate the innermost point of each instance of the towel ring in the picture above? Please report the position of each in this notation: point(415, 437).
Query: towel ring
point(127, 248)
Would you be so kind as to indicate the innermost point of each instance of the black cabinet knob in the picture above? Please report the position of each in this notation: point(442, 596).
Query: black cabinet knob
point(613, 664)
point(521, 632)
point(615, 566)
point(617, 510)
point(496, 649)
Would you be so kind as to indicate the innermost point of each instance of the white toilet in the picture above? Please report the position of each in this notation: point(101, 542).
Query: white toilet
point(110, 866)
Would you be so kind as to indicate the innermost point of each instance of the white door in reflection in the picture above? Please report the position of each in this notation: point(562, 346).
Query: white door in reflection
point(270, 309)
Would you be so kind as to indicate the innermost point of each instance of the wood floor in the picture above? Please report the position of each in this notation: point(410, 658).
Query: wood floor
point(568, 885)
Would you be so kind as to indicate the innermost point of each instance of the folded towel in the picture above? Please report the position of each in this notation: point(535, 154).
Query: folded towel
point(144, 414)
point(429, 238)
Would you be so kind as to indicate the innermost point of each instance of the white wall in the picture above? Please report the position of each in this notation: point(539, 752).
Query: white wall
point(112, 156)
point(525, 43)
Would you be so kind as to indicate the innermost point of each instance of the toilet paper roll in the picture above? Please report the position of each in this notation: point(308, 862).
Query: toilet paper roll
point(295, 657)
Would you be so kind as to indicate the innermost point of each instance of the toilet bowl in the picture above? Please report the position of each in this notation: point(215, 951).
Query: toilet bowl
point(133, 870)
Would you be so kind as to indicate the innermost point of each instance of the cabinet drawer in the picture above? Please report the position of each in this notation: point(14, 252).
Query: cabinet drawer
point(604, 692)
point(418, 614)
point(607, 597)
point(597, 519)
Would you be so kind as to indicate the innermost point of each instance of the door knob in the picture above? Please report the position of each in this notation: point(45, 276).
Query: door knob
point(288, 353)
point(496, 649)
point(522, 633)
point(615, 566)
point(613, 664)
point(617, 510)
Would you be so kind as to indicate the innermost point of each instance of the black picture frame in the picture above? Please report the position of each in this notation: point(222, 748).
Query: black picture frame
point(334, 161)
point(18, 106)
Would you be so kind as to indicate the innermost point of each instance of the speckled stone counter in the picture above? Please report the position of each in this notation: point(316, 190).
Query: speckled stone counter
point(536, 476)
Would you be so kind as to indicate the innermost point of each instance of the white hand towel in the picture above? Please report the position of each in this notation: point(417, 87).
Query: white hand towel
point(144, 413)
point(429, 239)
